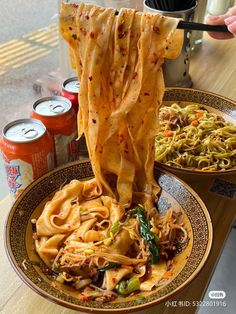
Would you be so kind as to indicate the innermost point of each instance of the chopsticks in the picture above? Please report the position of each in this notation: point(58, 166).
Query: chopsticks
point(199, 26)
point(202, 27)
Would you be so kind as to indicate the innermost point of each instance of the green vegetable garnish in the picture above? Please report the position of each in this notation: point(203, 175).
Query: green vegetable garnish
point(121, 287)
point(115, 228)
point(127, 286)
point(109, 266)
point(140, 299)
point(147, 234)
point(74, 36)
point(157, 239)
point(133, 284)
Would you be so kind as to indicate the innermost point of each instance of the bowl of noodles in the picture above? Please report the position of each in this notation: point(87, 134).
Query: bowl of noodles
point(197, 133)
point(103, 263)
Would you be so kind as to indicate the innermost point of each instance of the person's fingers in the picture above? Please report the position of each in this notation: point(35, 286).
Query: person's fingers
point(215, 20)
point(230, 20)
point(222, 36)
point(232, 28)
point(218, 20)
point(231, 11)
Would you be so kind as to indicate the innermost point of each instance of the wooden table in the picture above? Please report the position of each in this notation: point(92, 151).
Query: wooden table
point(213, 68)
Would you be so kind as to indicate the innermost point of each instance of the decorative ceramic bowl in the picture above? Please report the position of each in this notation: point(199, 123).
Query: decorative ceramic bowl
point(175, 193)
point(220, 105)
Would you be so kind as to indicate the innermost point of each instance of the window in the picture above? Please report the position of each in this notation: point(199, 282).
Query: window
point(29, 59)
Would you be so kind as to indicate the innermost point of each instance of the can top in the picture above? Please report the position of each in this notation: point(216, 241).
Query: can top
point(52, 106)
point(24, 130)
point(71, 85)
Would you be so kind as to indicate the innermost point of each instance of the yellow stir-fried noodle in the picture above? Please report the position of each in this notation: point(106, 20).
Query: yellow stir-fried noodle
point(193, 138)
point(104, 237)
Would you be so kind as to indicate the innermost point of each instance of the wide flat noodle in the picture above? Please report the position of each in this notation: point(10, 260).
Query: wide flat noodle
point(118, 60)
point(62, 213)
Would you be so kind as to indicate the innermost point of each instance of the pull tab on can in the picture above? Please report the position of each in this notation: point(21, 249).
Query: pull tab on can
point(52, 106)
point(24, 130)
point(29, 133)
point(57, 108)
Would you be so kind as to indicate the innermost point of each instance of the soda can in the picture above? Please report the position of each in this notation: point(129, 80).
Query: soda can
point(28, 152)
point(59, 117)
point(70, 90)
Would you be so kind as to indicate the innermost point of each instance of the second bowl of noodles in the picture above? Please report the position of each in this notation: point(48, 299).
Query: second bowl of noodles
point(197, 133)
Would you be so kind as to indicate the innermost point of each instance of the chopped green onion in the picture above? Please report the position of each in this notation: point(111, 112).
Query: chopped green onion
point(133, 284)
point(115, 228)
point(121, 287)
point(127, 286)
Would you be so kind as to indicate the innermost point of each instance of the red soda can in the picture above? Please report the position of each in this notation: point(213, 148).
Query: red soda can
point(28, 152)
point(59, 117)
point(70, 90)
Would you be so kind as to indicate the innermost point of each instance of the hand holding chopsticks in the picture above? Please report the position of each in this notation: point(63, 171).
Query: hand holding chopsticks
point(228, 19)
